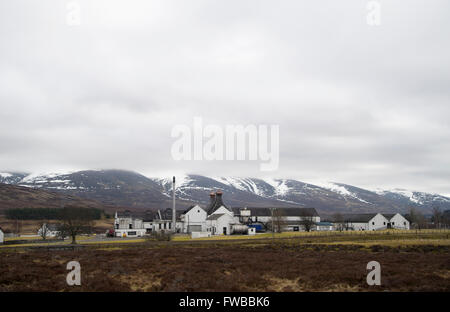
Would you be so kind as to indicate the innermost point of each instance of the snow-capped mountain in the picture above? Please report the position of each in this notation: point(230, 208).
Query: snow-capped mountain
point(11, 177)
point(133, 190)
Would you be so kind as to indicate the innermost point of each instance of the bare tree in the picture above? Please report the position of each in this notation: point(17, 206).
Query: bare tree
point(307, 222)
point(339, 221)
point(417, 219)
point(76, 221)
point(44, 231)
point(437, 217)
point(278, 221)
point(446, 218)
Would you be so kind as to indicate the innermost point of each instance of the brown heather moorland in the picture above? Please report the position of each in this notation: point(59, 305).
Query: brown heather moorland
point(250, 266)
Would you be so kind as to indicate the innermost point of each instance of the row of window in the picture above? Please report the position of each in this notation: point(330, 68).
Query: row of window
point(392, 223)
point(166, 225)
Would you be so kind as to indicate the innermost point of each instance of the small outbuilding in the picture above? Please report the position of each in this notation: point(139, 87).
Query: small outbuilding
point(49, 230)
point(324, 226)
point(2, 236)
point(193, 219)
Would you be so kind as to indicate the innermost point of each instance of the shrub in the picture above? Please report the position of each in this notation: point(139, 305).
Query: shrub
point(161, 236)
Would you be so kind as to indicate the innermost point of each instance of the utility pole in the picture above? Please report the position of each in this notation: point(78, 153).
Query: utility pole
point(273, 233)
point(174, 214)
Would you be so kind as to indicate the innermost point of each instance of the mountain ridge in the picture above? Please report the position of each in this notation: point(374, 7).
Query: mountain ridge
point(122, 188)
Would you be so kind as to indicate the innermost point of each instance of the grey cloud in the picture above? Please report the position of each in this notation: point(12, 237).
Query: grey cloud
point(356, 104)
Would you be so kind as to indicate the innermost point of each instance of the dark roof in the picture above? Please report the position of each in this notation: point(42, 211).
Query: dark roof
point(149, 215)
point(53, 227)
point(189, 209)
point(266, 212)
point(124, 214)
point(388, 215)
point(215, 216)
point(358, 217)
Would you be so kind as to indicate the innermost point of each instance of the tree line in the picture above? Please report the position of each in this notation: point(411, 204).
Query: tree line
point(50, 213)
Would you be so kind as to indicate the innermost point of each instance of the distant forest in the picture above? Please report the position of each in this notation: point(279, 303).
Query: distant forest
point(46, 213)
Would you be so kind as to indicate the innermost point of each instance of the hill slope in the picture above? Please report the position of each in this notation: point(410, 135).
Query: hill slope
point(12, 196)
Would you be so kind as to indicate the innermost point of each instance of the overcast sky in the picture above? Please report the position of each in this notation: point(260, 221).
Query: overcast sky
point(358, 104)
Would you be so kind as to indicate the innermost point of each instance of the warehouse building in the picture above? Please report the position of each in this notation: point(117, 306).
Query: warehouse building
point(362, 222)
point(397, 221)
point(292, 219)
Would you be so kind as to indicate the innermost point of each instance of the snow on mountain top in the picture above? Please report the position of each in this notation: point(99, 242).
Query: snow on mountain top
point(5, 175)
point(43, 176)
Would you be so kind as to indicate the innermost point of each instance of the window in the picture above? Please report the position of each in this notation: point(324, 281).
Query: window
point(170, 225)
point(117, 226)
point(404, 223)
point(392, 223)
point(160, 226)
point(130, 226)
point(165, 226)
point(373, 223)
point(198, 211)
point(384, 223)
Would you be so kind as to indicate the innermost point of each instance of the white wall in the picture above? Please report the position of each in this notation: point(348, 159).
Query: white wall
point(128, 233)
point(224, 221)
point(196, 216)
point(378, 222)
point(222, 209)
point(399, 222)
point(265, 219)
point(1, 237)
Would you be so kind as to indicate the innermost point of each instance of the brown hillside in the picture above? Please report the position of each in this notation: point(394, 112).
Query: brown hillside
point(24, 197)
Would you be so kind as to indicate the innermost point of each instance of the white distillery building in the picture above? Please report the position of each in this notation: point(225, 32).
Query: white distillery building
point(397, 221)
point(215, 219)
point(193, 219)
point(128, 225)
point(2, 236)
point(364, 222)
point(324, 226)
point(293, 219)
point(50, 230)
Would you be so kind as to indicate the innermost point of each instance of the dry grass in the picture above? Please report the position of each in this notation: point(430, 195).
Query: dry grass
point(229, 266)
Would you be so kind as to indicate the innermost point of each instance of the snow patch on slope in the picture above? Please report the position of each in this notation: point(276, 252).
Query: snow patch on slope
point(242, 184)
point(279, 186)
point(43, 177)
point(339, 189)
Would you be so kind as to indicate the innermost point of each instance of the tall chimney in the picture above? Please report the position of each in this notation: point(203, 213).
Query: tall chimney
point(174, 214)
point(219, 201)
point(212, 197)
